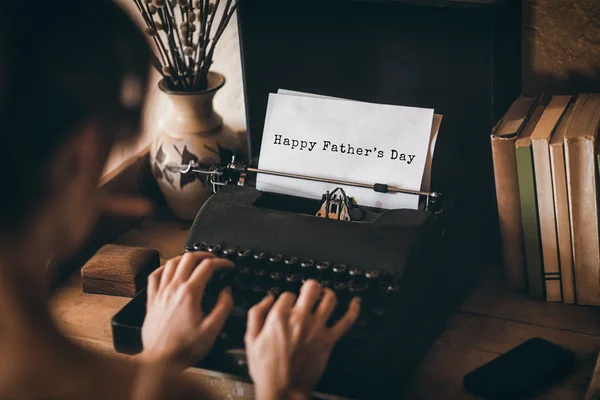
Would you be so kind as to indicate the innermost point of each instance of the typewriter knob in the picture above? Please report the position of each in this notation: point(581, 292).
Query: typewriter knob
point(229, 252)
point(201, 246)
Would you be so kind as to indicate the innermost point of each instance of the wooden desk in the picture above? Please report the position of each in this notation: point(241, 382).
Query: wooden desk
point(490, 322)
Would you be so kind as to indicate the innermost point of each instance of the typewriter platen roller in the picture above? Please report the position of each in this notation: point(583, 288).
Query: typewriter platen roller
point(398, 261)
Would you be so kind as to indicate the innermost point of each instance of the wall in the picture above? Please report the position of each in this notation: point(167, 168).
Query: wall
point(561, 46)
point(229, 101)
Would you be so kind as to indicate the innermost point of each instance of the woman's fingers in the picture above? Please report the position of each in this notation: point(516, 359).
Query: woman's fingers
point(169, 272)
point(257, 316)
point(344, 324)
point(326, 307)
point(213, 323)
point(283, 305)
point(309, 294)
point(154, 281)
point(205, 270)
point(189, 262)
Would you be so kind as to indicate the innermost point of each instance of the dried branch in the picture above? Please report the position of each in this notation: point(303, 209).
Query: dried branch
point(218, 35)
point(184, 40)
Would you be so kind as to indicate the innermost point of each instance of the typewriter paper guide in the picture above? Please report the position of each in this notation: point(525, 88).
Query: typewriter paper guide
point(345, 140)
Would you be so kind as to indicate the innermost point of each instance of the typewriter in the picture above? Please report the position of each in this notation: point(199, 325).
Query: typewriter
point(398, 261)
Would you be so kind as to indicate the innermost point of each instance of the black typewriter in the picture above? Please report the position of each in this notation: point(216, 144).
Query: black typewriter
point(398, 261)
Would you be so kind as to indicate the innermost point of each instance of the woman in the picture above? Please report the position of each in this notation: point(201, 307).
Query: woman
point(72, 79)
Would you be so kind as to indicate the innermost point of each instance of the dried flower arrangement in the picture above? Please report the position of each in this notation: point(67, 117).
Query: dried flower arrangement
point(181, 31)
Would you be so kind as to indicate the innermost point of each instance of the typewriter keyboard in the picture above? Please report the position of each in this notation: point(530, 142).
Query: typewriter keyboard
point(257, 273)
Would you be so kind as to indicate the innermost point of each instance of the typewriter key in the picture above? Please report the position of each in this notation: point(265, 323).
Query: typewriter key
point(258, 289)
point(291, 261)
point(355, 272)
point(379, 312)
point(356, 288)
point(275, 290)
point(339, 270)
point(372, 274)
point(229, 252)
point(215, 249)
point(259, 272)
point(201, 246)
point(275, 260)
point(392, 287)
point(340, 287)
point(294, 281)
point(260, 258)
point(323, 266)
point(276, 276)
point(243, 270)
point(307, 265)
point(326, 283)
point(244, 255)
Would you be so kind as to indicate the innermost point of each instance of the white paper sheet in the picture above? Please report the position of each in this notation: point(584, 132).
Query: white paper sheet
point(435, 128)
point(346, 140)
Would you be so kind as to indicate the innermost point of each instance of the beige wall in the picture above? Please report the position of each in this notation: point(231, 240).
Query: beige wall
point(561, 54)
point(561, 46)
point(229, 101)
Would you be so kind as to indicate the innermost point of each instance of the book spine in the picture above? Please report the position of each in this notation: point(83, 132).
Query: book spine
point(530, 223)
point(509, 211)
point(563, 225)
point(583, 208)
point(547, 219)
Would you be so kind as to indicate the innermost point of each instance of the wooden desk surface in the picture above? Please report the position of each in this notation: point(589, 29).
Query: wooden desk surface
point(491, 321)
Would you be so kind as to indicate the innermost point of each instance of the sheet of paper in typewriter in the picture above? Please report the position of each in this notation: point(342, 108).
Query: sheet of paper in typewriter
point(346, 140)
point(435, 128)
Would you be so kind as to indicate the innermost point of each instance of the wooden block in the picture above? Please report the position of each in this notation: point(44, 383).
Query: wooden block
point(119, 270)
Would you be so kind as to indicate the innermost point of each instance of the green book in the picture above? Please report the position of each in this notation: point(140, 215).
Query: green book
point(529, 208)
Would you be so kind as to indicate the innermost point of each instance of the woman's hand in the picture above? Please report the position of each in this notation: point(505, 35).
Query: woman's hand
point(175, 330)
point(288, 345)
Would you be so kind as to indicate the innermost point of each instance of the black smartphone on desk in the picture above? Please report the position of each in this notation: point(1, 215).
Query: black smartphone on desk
point(521, 372)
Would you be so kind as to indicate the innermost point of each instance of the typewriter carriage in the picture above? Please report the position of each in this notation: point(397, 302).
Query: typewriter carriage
point(241, 174)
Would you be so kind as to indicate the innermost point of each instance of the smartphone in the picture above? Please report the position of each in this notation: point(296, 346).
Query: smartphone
point(521, 372)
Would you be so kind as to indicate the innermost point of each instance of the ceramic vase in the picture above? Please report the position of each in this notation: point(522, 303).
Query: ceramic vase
point(191, 131)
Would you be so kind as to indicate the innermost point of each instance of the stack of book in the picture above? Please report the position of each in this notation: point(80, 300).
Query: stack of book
point(545, 154)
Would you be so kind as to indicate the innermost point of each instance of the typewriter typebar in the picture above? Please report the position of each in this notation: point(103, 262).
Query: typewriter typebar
point(397, 261)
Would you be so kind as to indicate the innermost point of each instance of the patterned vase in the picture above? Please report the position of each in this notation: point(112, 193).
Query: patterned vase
point(192, 131)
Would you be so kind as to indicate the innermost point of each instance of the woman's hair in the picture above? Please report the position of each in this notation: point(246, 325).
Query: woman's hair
point(62, 62)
